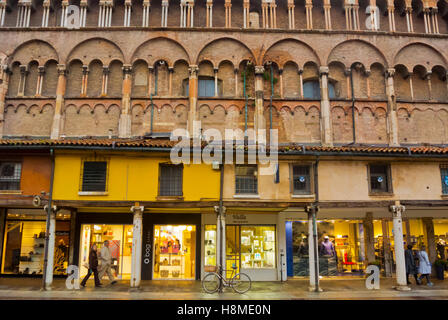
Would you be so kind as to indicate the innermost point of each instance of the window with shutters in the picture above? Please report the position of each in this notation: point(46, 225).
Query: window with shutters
point(170, 180)
point(444, 176)
point(311, 90)
point(380, 178)
point(246, 179)
point(10, 173)
point(94, 176)
point(301, 179)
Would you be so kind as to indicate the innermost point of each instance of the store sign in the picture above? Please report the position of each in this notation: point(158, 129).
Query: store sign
point(148, 249)
point(239, 219)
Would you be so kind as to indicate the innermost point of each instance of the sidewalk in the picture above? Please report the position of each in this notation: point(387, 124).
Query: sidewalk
point(15, 288)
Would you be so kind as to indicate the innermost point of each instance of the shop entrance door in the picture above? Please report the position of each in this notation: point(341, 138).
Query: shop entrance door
point(233, 248)
point(174, 252)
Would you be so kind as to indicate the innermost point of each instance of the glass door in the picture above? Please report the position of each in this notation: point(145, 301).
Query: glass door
point(233, 248)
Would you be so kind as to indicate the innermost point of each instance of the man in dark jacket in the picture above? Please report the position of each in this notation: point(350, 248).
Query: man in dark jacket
point(93, 267)
point(410, 264)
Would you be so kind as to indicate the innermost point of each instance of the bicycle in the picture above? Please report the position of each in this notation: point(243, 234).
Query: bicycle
point(214, 281)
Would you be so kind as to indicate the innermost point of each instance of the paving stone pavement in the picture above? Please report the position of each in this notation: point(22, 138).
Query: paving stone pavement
point(30, 288)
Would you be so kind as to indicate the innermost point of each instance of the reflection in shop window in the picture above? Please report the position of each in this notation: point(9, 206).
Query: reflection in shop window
point(257, 247)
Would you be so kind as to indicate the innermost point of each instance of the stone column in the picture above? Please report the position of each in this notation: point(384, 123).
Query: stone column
point(386, 249)
point(369, 237)
point(428, 79)
point(193, 98)
point(56, 126)
point(40, 80)
point(280, 72)
point(313, 248)
point(391, 108)
point(428, 229)
point(71, 258)
point(4, 82)
point(215, 71)
point(50, 233)
point(397, 211)
point(23, 73)
point(136, 259)
point(325, 124)
point(221, 238)
point(105, 81)
point(170, 81)
point(259, 121)
point(124, 125)
point(85, 78)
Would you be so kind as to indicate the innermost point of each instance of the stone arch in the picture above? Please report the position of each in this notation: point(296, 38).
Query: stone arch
point(225, 49)
point(96, 49)
point(407, 56)
point(160, 48)
point(37, 50)
point(291, 50)
point(351, 51)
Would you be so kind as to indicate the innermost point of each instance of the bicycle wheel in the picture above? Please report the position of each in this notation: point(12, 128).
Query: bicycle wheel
point(210, 283)
point(241, 283)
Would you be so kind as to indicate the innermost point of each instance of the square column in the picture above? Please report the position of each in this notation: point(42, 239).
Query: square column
point(325, 125)
point(49, 246)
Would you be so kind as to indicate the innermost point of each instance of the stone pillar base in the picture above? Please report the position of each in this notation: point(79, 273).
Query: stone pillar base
point(312, 289)
point(402, 288)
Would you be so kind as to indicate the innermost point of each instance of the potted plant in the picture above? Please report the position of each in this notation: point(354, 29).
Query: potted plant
point(440, 265)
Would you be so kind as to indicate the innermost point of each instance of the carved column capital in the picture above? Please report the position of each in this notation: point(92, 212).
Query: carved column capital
point(193, 70)
point(259, 70)
point(390, 73)
point(323, 71)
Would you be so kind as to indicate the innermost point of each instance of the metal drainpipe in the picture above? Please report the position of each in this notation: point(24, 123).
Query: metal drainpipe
point(316, 203)
point(47, 235)
point(245, 97)
point(221, 229)
point(353, 106)
point(272, 94)
point(153, 94)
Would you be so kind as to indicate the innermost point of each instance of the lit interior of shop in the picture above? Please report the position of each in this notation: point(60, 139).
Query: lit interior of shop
point(174, 252)
point(120, 246)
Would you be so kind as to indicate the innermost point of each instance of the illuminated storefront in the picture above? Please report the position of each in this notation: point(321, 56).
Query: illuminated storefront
point(170, 247)
point(340, 247)
point(251, 245)
point(24, 242)
point(120, 246)
point(174, 252)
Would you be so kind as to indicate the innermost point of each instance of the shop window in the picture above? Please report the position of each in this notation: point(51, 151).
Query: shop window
point(311, 90)
point(444, 175)
point(94, 176)
point(257, 247)
point(120, 246)
point(210, 247)
point(246, 181)
point(301, 176)
point(174, 252)
point(24, 242)
point(380, 181)
point(170, 180)
point(10, 173)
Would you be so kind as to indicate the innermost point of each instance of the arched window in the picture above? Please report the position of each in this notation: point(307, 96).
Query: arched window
point(311, 90)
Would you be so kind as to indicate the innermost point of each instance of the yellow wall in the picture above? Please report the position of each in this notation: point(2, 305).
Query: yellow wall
point(132, 177)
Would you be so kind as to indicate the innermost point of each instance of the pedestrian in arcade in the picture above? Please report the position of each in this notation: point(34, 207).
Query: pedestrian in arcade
point(106, 263)
point(93, 267)
point(411, 268)
point(424, 267)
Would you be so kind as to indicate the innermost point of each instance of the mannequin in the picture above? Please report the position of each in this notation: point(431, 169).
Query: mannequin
point(327, 247)
point(441, 249)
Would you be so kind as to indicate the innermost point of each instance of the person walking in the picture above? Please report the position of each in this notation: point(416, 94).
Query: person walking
point(106, 262)
point(410, 264)
point(93, 267)
point(424, 267)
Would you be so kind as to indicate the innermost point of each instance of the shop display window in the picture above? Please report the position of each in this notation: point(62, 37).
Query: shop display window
point(441, 237)
point(174, 251)
point(210, 246)
point(257, 247)
point(24, 243)
point(120, 246)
